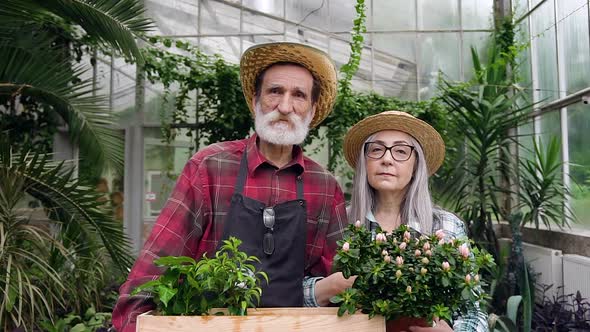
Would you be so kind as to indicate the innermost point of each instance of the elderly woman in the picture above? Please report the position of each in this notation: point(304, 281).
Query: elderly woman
point(393, 154)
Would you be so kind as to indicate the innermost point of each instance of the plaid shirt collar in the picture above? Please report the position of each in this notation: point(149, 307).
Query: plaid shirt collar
point(256, 159)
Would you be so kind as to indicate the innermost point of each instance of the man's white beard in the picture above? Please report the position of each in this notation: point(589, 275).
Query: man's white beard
point(278, 132)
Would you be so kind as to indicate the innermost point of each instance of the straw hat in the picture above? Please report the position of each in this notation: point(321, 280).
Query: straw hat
point(428, 137)
point(259, 57)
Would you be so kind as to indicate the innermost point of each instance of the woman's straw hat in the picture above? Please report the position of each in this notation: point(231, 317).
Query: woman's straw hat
point(259, 57)
point(425, 134)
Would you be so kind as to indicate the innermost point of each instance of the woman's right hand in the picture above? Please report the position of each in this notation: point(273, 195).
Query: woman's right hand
point(330, 286)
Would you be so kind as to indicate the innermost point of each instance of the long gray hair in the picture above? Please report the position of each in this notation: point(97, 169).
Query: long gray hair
point(416, 209)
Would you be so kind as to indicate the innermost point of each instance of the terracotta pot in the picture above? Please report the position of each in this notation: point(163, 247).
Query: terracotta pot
point(404, 323)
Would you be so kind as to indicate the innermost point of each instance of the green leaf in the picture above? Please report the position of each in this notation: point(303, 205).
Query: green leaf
point(166, 293)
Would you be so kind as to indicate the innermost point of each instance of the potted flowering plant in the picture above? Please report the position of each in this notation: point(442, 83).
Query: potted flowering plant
point(405, 275)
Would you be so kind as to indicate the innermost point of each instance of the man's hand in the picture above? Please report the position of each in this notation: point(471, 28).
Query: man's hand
point(330, 286)
point(440, 326)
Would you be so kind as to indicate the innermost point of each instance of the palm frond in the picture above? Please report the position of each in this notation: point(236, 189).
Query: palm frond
point(48, 79)
point(113, 22)
point(68, 200)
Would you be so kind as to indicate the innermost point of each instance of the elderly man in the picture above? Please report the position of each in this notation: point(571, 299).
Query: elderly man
point(227, 189)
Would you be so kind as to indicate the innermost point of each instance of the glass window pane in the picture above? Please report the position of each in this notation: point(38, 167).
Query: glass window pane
point(550, 127)
point(308, 13)
point(477, 14)
point(342, 13)
point(162, 164)
point(218, 18)
point(256, 23)
point(573, 32)
point(394, 15)
point(578, 137)
point(543, 36)
point(520, 7)
point(438, 51)
point(273, 7)
point(440, 14)
point(395, 64)
point(123, 86)
point(173, 17)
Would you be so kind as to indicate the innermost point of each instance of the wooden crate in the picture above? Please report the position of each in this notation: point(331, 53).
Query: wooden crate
point(264, 319)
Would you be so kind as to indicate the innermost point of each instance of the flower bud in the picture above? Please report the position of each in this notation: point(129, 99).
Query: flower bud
point(380, 238)
point(428, 253)
point(468, 279)
point(403, 245)
point(358, 224)
point(425, 260)
point(464, 250)
point(446, 266)
point(407, 236)
point(417, 253)
point(409, 289)
point(399, 261)
point(398, 273)
point(394, 240)
point(411, 269)
point(426, 246)
point(440, 234)
point(345, 246)
point(476, 278)
point(384, 253)
point(387, 259)
point(423, 271)
point(441, 242)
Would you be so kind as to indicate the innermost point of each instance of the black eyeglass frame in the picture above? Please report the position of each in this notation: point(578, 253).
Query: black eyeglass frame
point(389, 148)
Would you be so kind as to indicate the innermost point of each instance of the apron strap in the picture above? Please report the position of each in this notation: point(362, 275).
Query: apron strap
point(299, 181)
point(242, 173)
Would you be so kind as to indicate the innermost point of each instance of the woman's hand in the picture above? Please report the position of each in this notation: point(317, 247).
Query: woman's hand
point(441, 326)
point(330, 286)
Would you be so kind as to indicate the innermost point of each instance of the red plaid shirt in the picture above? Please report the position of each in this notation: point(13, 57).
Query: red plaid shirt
point(191, 223)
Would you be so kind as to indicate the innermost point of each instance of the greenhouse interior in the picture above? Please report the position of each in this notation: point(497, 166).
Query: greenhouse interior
point(105, 105)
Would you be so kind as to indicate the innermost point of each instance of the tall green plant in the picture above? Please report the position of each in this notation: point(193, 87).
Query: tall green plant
point(484, 113)
point(30, 275)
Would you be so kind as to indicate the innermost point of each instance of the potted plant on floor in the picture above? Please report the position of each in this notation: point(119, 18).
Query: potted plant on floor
point(409, 278)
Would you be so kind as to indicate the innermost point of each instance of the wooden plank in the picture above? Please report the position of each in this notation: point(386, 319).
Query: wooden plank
point(264, 319)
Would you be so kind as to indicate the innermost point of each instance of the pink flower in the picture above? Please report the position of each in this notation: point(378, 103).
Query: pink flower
point(423, 271)
point(387, 259)
point(425, 260)
point(384, 253)
point(440, 234)
point(409, 289)
point(380, 238)
point(407, 235)
point(468, 279)
point(403, 245)
point(441, 242)
point(446, 266)
point(398, 273)
point(426, 246)
point(345, 246)
point(464, 250)
point(417, 253)
point(399, 261)
point(358, 224)
point(428, 253)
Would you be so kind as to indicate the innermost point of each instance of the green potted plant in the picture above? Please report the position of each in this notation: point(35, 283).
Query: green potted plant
point(409, 278)
point(214, 294)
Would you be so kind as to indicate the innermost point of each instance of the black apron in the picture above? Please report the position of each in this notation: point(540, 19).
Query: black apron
point(285, 265)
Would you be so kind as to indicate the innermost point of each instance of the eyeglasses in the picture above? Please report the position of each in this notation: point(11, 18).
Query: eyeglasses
point(268, 242)
point(399, 152)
